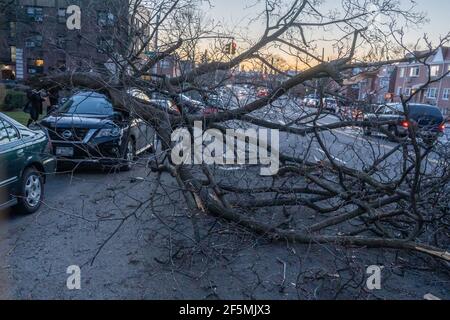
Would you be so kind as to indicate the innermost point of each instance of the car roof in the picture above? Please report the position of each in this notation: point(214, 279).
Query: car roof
point(90, 94)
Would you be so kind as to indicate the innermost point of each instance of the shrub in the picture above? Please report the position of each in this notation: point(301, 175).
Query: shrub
point(14, 100)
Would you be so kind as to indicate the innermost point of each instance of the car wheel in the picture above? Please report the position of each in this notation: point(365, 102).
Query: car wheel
point(31, 192)
point(130, 155)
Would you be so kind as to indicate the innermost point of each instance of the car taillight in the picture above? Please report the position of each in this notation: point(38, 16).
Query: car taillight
point(405, 124)
point(174, 109)
point(208, 111)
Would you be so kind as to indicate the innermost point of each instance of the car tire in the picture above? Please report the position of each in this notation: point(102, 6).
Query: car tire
point(31, 192)
point(129, 155)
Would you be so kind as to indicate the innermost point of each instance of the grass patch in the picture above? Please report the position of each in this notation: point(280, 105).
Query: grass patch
point(19, 116)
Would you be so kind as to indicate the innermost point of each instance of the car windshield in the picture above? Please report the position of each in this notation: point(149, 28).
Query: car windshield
point(417, 111)
point(86, 104)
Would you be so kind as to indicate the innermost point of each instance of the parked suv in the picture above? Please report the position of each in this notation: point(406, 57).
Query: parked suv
point(427, 120)
point(87, 129)
point(25, 160)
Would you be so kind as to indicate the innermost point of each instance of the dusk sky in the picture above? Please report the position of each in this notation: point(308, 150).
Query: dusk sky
point(237, 13)
point(438, 12)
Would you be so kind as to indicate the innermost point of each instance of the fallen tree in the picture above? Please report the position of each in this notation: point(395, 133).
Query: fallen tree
point(388, 200)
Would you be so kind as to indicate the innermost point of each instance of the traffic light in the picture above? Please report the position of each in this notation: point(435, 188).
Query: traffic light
point(233, 48)
point(228, 49)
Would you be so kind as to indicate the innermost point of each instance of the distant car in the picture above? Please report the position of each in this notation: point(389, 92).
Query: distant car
point(427, 120)
point(26, 158)
point(262, 93)
point(166, 105)
point(87, 129)
point(313, 103)
point(330, 104)
point(311, 100)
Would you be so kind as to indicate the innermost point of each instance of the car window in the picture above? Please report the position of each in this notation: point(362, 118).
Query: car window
point(417, 111)
point(3, 133)
point(85, 104)
point(381, 110)
point(12, 132)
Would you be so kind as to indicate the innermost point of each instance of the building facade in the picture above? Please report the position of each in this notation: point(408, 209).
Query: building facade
point(412, 78)
point(375, 86)
point(34, 38)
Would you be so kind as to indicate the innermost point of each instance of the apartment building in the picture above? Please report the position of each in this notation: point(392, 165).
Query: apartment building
point(34, 38)
point(413, 78)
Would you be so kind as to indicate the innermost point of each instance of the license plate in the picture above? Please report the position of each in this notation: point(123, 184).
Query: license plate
point(64, 151)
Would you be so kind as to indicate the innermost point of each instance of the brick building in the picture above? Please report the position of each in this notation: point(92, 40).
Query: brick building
point(374, 86)
point(34, 38)
point(413, 76)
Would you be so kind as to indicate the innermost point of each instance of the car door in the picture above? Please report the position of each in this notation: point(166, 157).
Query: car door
point(11, 159)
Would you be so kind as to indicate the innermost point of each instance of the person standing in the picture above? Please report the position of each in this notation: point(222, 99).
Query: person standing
point(34, 106)
point(53, 95)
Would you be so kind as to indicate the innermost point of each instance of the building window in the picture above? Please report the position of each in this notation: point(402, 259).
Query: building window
point(448, 70)
point(415, 71)
point(399, 91)
point(34, 41)
point(105, 19)
point(13, 53)
point(12, 29)
point(62, 15)
point(434, 71)
point(402, 72)
point(408, 92)
point(35, 66)
point(164, 64)
point(446, 94)
point(61, 42)
point(35, 13)
point(384, 83)
point(432, 93)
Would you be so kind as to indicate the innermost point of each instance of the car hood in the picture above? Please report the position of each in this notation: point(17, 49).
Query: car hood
point(76, 121)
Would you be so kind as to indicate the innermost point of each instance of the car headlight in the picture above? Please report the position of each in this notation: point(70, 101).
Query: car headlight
point(109, 132)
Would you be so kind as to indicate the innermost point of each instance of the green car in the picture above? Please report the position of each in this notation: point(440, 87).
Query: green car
point(25, 160)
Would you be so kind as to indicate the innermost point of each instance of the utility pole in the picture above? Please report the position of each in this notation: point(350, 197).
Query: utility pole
point(156, 31)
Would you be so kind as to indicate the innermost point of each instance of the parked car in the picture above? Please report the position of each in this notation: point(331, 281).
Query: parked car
point(311, 100)
point(26, 158)
point(330, 104)
point(87, 129)
point(427, 120)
